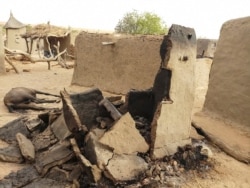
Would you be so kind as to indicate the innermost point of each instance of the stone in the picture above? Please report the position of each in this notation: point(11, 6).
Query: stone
point(125, 167)
point(20, 178)
point(57, 174)
point(56, 155)
point(171, 125)
point(97, 153)
point(114, 113)
point(60, 129)
point(70, 114)
point(34, 124)
point(124, 138)
point(75, 173)
point(11, 154)
point(44, 139)
point(8, 132)
point(26, 147)
point(93, 172)
point(46, 182)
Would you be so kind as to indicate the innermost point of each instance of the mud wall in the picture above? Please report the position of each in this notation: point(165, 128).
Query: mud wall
point(2, 66)
point(229, 84)
point(14, 39)
point(116, 63)
point(206, 47)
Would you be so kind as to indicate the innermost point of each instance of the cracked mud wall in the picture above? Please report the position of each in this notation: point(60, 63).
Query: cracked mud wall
point(229, 85)
point(116, 63)
point(172, 128)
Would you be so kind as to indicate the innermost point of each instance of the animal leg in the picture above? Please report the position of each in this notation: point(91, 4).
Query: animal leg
point(45, 93)
point(30, 106)
point(10, 108)
point(38, 101)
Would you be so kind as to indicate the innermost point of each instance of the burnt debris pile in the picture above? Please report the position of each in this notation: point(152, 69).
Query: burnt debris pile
point(93, 141)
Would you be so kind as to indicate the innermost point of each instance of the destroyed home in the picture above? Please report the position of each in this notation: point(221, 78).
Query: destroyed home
point(97, 141)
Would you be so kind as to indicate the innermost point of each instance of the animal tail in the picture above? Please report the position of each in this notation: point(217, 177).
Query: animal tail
point(45, 93)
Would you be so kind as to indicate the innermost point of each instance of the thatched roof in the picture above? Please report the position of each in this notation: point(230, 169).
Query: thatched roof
point(46, 30)
point(13, 23)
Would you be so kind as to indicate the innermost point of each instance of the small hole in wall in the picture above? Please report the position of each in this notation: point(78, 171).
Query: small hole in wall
point(184, 58)
point(189, 36)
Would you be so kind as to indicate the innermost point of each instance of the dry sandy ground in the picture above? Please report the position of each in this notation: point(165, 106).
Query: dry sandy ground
point(228, 172)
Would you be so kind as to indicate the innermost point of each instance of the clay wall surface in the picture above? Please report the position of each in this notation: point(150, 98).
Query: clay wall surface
point(14, 39)
point(206, 47)
point(229, 84)
point(172, 128)
point(2, 66)
point(116, 63)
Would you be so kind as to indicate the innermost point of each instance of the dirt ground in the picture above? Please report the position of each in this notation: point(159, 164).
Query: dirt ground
point(227, 171)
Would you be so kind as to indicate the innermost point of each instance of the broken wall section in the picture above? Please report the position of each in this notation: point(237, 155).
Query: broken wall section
point(172, 122)
point(116, 63)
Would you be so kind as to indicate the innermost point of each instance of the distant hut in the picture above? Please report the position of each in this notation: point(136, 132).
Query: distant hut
point(206, 48)
point(49, 39)
point(14, 30)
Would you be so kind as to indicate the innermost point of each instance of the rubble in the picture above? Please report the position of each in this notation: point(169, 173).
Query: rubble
point(117, 155)
point(97, 141)
point(26, 147)
point(125, 167)
point(124, 138)
point(11, 154)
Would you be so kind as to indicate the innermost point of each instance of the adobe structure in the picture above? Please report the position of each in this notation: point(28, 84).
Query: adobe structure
point(119, 63)
point(171, 125)
point(116, 63)
point(228, 93)
point(206, 48)
point(14, 30)
point(2, 66)
point(46, 37)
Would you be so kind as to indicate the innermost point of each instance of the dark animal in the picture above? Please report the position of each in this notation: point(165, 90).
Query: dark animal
point(22, 98)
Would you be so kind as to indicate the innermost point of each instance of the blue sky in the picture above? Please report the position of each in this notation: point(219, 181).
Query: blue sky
point(205, 16)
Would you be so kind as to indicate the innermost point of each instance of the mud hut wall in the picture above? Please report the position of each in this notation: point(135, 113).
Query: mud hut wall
point(202, 70)
point(228, 93)
point(2, 66)
point(64, 42)
point(131, 62)
point(206, 45)
point(14, 39)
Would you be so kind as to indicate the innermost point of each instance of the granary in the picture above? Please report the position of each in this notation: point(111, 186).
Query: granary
point(14, 30)
point(47, 38)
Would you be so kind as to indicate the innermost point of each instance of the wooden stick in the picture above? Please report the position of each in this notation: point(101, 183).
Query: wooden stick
point(33, 60)
point(7, 59)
